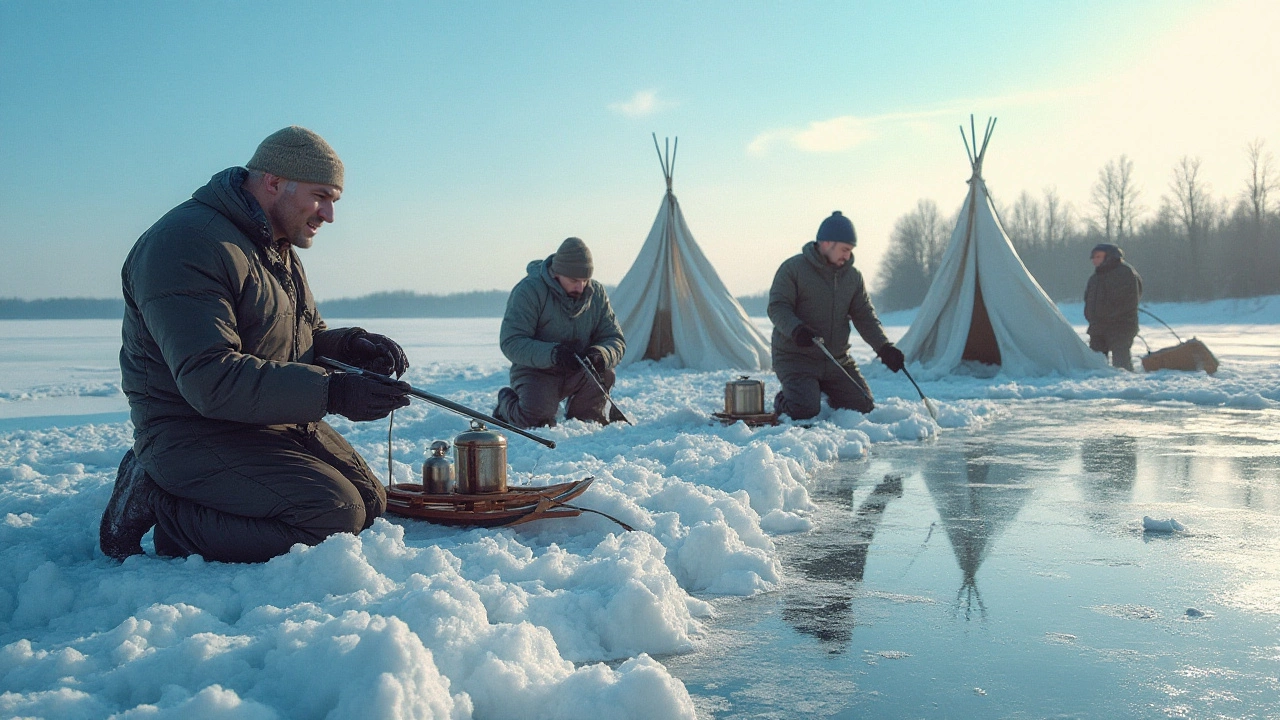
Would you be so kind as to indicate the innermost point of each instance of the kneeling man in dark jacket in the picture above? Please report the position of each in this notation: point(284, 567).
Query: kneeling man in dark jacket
point(815, 294)
point(557, 318)
point(231, 457)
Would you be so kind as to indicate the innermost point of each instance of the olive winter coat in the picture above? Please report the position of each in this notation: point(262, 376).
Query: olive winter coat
point(807, 290)
point(541, 315)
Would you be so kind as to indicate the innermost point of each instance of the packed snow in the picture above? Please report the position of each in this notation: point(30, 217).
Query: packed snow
point(554, 619)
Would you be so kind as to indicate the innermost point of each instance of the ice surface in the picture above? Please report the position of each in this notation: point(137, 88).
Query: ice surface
point(558, 619)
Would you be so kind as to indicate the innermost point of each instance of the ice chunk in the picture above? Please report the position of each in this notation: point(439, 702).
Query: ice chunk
point(1152, 525)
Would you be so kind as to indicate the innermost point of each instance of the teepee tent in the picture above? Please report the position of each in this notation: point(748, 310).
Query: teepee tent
point(671, 301)
point(983, 305)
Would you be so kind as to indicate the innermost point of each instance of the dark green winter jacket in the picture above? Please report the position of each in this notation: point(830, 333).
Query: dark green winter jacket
point(1111, 297)
point(807, 290)
point(541, 315)
point(218, 327)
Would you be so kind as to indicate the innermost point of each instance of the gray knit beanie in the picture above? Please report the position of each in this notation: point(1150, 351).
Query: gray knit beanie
point(296, 153)
point(573, 259)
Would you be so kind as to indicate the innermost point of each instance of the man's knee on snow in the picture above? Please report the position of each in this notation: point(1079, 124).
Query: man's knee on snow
point(795, 408)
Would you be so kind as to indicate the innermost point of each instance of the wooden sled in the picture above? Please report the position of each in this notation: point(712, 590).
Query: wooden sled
point(1191, 355)
point(752, 420)
point(516, 506)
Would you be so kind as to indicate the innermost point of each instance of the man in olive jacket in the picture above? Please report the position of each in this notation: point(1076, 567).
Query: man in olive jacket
point(231, 459)
point(814, 295)
point(558, 317)
point(1111, 300)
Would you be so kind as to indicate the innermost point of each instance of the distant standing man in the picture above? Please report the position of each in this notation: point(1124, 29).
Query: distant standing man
point(556, 316)
point(231, 457)
point(816, 294)
point(1111, 304)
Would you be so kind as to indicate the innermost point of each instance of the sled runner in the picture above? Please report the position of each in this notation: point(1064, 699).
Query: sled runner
point(752, 420)
point(515, 506)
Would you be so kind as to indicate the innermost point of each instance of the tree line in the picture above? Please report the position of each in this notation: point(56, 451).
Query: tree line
point(1187, 243)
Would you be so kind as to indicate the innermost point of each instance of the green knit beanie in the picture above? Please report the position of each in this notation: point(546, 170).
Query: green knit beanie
point(296, 153)
point(572, 260)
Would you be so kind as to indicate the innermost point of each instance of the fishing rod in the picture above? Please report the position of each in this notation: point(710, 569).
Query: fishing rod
point(1175, 334)
point(823, 345)
point(591, 373)
point(434, 399)
point(928, 404)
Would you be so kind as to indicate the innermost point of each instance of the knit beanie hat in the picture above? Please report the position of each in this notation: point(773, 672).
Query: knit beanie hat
point(296, 153)
point(1109, 249)
point(837, 228)
point(573, 259)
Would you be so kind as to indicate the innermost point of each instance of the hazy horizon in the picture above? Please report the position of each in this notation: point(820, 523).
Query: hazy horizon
point(477, 137)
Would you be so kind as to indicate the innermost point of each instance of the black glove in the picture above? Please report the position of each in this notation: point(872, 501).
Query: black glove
point(595, 356)
point(565, 357)
point(804, 336)
point(892, 357)
point(360, 398)
point(376, 353)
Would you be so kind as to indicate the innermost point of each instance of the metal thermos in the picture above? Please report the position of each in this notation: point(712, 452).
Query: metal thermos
point(744, 396)
point(481, 456)
point(437, 471)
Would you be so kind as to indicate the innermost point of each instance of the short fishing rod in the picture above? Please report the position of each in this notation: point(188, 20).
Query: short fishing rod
point(591, 373)
point(434, 399)
point(928, 404)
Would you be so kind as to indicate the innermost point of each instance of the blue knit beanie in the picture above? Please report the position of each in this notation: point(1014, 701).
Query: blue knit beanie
point(837, 228)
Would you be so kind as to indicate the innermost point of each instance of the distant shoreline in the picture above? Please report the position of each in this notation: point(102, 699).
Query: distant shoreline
point(405, 304)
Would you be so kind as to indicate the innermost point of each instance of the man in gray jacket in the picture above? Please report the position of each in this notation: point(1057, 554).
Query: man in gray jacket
point(1111, 300)
point(231, 457)
point(557, 317)
point(814, 295)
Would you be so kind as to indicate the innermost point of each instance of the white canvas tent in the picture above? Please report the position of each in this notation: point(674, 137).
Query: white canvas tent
point(671, 301)
point(983, 304)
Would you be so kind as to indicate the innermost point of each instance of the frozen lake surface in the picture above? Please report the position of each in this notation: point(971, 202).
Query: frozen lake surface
point(993, 564)
point(1004, 572)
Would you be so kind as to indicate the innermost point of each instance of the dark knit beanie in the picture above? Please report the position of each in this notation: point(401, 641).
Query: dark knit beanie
point(296, 153)
point(1109, 249)
point(573, 259)
point(837, 228)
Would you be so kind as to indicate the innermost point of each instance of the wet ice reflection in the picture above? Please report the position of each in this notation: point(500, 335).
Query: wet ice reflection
point(1005, 572)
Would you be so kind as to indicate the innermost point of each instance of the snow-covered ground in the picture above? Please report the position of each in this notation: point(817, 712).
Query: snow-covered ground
point(558, 619)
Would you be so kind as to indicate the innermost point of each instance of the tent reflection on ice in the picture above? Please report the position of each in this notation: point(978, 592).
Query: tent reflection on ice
point(983, 304)
point(672, 302)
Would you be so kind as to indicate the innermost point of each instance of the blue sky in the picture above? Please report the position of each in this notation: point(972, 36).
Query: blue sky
point(476, 136)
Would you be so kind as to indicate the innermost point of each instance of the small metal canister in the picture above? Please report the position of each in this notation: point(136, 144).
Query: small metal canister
point(481, 456)
point(437, 471)
point(744, 396)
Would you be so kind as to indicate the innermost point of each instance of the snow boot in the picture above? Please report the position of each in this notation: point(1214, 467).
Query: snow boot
point(130, 512)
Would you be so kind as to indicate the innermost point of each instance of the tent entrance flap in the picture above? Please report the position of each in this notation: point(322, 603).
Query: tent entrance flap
point(662, 341)
point(981, 344)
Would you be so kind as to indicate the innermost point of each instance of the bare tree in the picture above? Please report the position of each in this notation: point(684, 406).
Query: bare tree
point(1194, 210)
point(918, 240)
point(1026, 228)
point(1058, 220)
point(1115, 199)
point(1261, 182)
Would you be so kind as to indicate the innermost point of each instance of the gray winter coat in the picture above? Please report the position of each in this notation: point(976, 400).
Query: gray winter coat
point(541, 315)
point(807, 290)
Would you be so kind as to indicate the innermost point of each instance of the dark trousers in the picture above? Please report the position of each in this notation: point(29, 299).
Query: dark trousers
point(248, 493)
point(535, 395)
point(1118, 343)
point(804, 380)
